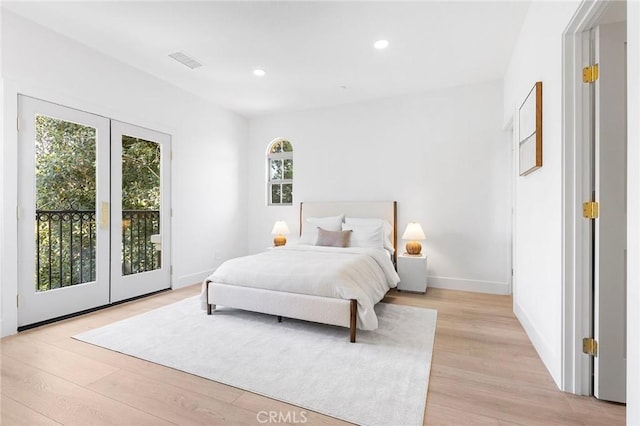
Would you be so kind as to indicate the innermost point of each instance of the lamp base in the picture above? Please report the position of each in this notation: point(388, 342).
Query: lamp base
point(413, 248)
point(280, 240)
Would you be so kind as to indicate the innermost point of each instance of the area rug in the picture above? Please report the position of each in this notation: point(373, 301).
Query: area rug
point(380, 380)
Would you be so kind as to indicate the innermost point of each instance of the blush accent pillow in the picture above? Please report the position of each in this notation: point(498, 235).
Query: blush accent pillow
point(333, 238)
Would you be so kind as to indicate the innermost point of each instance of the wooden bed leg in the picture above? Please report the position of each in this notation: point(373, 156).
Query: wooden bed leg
point(354, 316)
point(209, 306)
point(279, 318)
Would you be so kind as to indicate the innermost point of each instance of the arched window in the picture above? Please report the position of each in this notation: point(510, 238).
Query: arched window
point(280, 172)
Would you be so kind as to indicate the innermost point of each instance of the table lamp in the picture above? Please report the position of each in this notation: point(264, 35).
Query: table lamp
point(279, 230)
point(413, 233)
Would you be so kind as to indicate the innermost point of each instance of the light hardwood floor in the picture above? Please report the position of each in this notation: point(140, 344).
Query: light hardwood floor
point(484, 371)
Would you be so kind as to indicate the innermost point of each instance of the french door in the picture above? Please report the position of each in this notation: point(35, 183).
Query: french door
point(93, 214)
point(140, 237)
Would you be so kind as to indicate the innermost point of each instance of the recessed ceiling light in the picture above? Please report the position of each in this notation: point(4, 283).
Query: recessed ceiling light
point(259, 72)
point(381, 44)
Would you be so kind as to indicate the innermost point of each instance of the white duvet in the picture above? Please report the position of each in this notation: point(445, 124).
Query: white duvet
point(364, 274)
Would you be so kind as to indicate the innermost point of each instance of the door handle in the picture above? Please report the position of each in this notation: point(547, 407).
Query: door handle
point(104, 215)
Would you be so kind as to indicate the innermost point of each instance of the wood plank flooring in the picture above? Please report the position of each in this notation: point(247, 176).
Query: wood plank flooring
point(484, 372)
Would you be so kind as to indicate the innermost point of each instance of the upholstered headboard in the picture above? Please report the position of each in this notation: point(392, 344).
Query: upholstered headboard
point(379, 209)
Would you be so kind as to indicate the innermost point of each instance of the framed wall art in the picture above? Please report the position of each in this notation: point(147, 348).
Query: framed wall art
point(530, 131)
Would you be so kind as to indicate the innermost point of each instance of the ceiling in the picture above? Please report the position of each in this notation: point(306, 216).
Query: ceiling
point(314, 53)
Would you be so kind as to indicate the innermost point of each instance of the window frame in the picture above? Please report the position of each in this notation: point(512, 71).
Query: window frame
point(278, 156)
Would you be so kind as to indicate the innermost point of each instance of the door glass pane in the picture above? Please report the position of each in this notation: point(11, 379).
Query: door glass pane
point(141, 239)
point(65, 203)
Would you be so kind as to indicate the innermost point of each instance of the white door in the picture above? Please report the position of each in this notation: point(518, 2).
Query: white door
point(63, 215)
point(93, 212)
point(140, 206)
point(610, 227)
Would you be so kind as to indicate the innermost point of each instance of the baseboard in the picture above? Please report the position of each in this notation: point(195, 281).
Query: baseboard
point(546, 354)
point(491, 287)
point(191, 279)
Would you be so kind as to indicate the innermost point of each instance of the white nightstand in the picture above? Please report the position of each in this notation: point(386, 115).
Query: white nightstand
point(413, 273)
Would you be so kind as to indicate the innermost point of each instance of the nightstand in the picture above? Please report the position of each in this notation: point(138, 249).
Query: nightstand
point(413, 273)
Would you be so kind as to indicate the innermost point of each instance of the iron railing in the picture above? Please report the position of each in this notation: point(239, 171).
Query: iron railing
point(139, 254)
point(66, 245)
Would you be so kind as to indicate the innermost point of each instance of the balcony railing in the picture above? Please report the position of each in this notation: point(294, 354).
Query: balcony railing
point(66, 245)
point(139, 253)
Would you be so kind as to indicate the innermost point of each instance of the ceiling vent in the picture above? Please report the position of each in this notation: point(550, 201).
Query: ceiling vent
point(186, 60)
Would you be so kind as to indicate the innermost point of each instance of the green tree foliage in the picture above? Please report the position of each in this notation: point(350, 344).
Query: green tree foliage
point(66, 168)
point(65, 165)
point(140, 174)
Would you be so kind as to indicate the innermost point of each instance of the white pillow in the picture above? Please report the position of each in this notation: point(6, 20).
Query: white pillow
point(365, 235)
point(311, 224)
point(386, 227)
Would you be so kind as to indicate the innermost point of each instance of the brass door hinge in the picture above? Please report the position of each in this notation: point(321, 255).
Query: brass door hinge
point(590, 73)
point(590, 346)
point(590, 210)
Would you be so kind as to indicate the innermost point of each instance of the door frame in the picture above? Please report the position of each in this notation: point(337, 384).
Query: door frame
point(12, 322)
point(11, 88)
point(576, 188)
point(511, 140)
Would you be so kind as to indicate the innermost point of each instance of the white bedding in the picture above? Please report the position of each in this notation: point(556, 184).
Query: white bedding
point(364, 274)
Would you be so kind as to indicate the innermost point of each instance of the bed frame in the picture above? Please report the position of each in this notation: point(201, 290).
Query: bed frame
point(325, 310)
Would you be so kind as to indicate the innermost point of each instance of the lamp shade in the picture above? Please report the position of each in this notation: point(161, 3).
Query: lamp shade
point(280, 228)
point(413, 232)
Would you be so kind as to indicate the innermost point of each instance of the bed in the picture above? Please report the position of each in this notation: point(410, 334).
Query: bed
point(325, 284)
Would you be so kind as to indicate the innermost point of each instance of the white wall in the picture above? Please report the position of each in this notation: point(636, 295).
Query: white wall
point(442, 155)
point(538, 203)
point(633, 214)
point(208, 142)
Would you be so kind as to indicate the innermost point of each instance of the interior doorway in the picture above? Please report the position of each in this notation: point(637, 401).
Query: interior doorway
point(595, 170)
